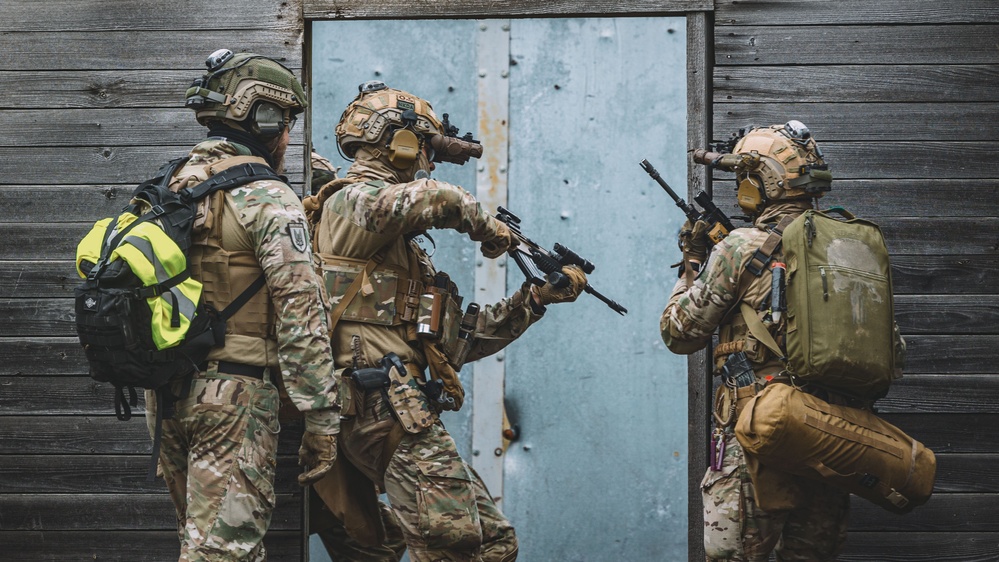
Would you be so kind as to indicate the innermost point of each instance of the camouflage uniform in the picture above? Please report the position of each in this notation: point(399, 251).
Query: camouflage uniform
point(218, 449)
point(814, 525)
point(444, 509)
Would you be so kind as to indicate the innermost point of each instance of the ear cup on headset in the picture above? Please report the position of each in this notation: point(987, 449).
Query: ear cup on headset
point(749, 194)
point(267, 119)
point(404, 149)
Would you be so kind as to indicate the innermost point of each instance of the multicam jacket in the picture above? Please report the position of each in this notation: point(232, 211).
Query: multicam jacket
point(372, 215)
point(261, 227)
point(713, 300)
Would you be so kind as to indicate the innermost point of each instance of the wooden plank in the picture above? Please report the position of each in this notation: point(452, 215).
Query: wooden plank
point(149, 50)
point(37, 241)
point(951, 354)
point(943, 512)
point(125, 546)
point(105, 164)
point(95, 435)
point(911, 274)
point(699, 379)
point(945, 274)
point(97, 88)
point(867, 121)
point(55, 16)
point(966, 473)
point(966, 394)
point(80, 395)
point(70, 203)
point(970, 354)
point(100, 127)
point(812, 12)
point(126, 512)
point(105, 127)
point(920, 547)
point(109, 474)
point(949, 433)
point(902, 160)
point(856, 83)
point(29, 279)
point(41, 356)
point(854, 44)
point(479, 9)
point(890, 198)
point(916, 314)
point(953, 314)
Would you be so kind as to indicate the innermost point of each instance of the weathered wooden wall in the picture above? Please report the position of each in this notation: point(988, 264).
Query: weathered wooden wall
point(901, 96)
point(93, 96)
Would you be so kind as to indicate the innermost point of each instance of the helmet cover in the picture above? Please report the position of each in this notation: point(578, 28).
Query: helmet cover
point(235, 84)
point(790, 165)
point(378, 112)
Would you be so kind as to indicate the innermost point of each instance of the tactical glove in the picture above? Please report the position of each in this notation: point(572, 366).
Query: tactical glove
point(499, 245)
point(549, 294)
point(317, 454)
point(693, 241)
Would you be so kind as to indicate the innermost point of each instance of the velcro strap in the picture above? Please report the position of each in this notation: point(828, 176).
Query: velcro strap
point(230, 368)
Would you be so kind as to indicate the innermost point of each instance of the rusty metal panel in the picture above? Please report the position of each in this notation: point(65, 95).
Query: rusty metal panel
point(600, 470)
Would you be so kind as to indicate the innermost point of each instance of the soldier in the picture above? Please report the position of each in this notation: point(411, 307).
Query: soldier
point(340, 545)
point(395, 318)
point(779, 170)
point(219, 446)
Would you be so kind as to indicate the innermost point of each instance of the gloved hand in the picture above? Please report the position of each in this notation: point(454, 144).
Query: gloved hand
point(499, 245)
point(316, 454)
point(693, 240)
point(548, 294)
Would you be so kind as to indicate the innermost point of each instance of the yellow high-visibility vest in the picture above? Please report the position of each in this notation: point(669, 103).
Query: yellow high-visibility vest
point(154, 258)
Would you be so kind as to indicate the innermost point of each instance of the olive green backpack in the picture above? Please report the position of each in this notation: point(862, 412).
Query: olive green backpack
point(841, 316)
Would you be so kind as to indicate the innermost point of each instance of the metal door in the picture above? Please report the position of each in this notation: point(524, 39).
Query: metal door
point(565, 108)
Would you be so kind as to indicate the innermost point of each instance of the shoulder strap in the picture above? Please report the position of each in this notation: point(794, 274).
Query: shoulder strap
point(759, 331)
point(230, 173)
point(758, 263)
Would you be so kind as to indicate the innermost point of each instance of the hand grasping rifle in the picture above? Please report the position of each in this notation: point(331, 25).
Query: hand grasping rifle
point(534, 261)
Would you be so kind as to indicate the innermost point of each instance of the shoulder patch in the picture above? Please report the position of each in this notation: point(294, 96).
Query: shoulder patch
point(299, 238)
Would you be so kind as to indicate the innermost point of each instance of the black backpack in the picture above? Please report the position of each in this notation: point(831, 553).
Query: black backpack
point(113, 318)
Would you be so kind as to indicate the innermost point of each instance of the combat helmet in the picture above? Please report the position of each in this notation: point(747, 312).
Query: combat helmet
point(779, 162)
point(256, 92)
point(396, 122)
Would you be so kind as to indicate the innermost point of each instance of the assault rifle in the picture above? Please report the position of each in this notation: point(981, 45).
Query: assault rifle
point(719, 224)
point(534, 260)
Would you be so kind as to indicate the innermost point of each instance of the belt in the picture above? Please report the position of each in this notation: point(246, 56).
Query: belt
point(255, 371)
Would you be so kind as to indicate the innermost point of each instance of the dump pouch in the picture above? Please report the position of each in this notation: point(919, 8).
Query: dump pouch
point(844, 447)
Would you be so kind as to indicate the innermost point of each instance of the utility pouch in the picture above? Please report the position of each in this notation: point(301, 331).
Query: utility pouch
point(429, 321)
point(466, 336)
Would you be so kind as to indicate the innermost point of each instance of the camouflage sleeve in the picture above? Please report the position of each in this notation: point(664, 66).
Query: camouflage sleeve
point(397, 209)
point(275, 221)
point(693, 314)
point(501, 323)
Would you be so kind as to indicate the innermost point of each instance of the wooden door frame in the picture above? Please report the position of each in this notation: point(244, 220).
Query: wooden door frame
point(700, 23)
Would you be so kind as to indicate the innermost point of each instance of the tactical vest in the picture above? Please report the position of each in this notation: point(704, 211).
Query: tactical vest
point(390, 281)
point(223, 259)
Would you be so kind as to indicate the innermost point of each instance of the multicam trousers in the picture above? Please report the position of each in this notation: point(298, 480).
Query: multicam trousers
point(735, 529)
point(445, 511)
point(217, 456)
